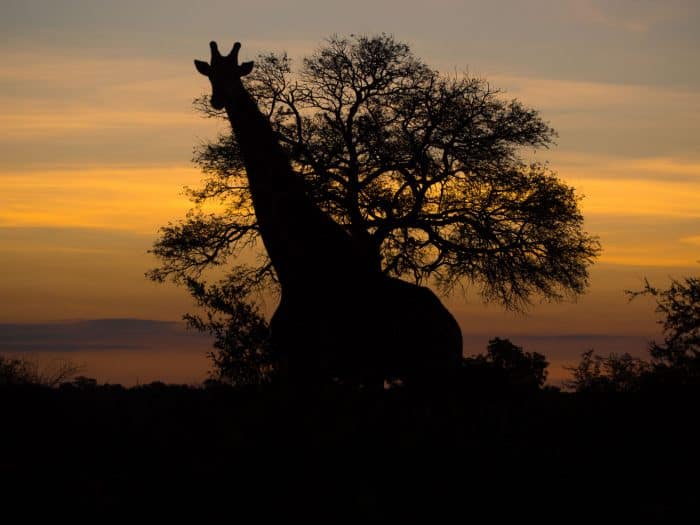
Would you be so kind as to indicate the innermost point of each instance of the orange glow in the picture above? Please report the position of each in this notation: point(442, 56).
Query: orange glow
point(95, 149)
point(135, 199)
point(188, 366)
point(639, 197)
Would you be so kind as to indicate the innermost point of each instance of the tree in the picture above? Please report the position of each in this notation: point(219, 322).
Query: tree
point(611, 373)
point(677, 359)
point(675, 362)
point(425, 172)
point(16, 371)
point(524, 368)
point(243, 354)
point(506, 366)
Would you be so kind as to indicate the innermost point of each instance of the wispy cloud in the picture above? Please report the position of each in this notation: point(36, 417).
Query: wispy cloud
point(551, 94)
point(616, 119)
point(636, 187)
point(695, 240)
point(126, 351)
point(108, 334)
point(640, 221)
point(637, 16)
point(74, 109)
point(135, 199)
point(640, 197)
point(47, 124)
point(132, 350)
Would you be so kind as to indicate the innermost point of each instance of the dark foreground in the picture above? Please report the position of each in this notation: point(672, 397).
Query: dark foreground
point(223, 456)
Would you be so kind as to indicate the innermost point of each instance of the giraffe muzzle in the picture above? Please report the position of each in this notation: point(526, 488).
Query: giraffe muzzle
point(216, 102)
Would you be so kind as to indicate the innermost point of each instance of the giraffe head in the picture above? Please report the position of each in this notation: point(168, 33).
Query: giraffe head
point(224, 72)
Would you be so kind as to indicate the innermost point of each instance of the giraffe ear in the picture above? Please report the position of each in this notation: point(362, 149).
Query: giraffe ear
point(202, 67)
point(245, 68)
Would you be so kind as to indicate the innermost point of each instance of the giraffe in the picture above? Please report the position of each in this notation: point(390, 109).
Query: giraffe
point(339, 316)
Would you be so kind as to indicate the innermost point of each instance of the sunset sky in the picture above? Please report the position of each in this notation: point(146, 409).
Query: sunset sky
point(97, 130)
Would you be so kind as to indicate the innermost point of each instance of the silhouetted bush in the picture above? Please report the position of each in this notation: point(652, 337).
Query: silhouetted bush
point(222, 455)
point(676, 361)
point(243, 353)
point(674, 364)
point(505, 366)
point(16, 371)
point(81, 383)
point(611, 373)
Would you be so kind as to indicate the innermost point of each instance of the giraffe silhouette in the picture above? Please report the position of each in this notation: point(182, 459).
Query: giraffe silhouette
point(339, 317)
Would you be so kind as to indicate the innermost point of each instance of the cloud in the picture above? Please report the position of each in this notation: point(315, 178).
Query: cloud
point(590, 102)
point(46, 91)
point(99, 334)
point(638, 16)
point(618, 196)
point(134, 199)
point(40, 125)
point(645, 240)
point(80, 240)
point(126, 351)
point(69, 273)
point(652, 169)
point(616, 118)
point(594, 13)
point(70, 109)
point(695, 240)
point(584, 95)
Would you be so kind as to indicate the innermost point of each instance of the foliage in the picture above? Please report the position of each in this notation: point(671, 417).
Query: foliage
point(423, 170)
point(679, 304)
point(506, 365)
point(84, 383)
point(674, 363)
point(241, 333)
point(611, 373)
point(15, 371)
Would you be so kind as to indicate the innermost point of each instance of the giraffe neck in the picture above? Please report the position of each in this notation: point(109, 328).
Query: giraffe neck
point(303, 242)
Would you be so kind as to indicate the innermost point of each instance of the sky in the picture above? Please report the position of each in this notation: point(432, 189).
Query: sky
point(97, 131)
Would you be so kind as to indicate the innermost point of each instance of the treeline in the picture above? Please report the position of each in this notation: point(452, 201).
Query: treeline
point(242, 354)
point(503, 448)
point(242, 357)
point(672, 364)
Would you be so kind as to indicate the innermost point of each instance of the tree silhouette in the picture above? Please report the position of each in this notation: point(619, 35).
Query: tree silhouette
point(611, 373)
point(506, 366)
point(425, 172)
point(243, 354)
point(675, 362)
point(16, 371)
point(677, 359)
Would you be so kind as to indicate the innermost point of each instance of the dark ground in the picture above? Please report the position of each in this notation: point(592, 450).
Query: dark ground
point(219, 455)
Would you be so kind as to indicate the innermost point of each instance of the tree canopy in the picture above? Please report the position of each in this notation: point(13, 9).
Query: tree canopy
point(243, 354)
point(505, 367)
point(423, 169)
point(605, 374)
point(674, 363)
point(677, 359)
